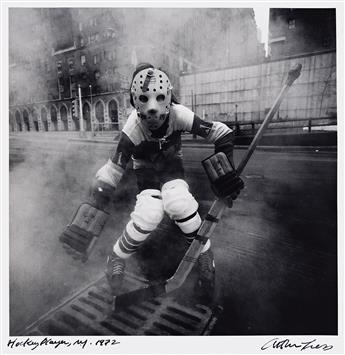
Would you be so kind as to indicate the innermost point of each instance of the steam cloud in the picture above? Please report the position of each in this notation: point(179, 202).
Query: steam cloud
point(45, 191)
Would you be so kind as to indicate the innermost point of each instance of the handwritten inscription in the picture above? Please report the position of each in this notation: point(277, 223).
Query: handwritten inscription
point(286, 343)
point(58, 343)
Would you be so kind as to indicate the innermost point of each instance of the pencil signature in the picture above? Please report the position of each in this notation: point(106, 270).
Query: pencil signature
point(286, 343)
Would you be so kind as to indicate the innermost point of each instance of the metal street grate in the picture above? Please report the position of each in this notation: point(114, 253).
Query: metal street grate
point(89, 313)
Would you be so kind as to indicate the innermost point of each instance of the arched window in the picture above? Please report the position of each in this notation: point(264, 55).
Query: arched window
point(44, 118)
point(100, 111)
point(53, 117)
point(100, 115)
point(18, 121)
point(63, 115)
point(113, 115)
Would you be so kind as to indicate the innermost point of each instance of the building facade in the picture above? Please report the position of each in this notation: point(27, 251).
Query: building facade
point(54, 51)
point(72, 53)
point(301, 31)
point(245, 94)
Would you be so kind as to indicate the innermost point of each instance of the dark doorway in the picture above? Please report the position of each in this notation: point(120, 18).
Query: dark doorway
point(26, 120)
point(35, 120)
point(19, 122)
point(53, 117)
point(87, 117)
point(100, 115)
point(44, 119)
point(113, 115)
point(63, 114)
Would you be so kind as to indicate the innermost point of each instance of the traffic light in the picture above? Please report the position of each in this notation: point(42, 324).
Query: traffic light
point(75, 108)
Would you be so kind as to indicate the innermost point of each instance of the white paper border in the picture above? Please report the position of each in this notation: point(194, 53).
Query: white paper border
point(172, 344)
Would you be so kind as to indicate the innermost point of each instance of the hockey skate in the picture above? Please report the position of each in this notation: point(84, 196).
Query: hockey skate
point(115, 272)
point(206, 279)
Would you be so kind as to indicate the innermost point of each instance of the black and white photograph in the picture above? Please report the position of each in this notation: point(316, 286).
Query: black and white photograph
point(171, 177)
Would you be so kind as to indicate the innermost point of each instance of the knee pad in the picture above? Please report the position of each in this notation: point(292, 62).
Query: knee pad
point(148, 211)
point(180, 205)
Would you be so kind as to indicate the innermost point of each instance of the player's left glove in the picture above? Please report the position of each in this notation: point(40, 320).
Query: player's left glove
point(225, 182)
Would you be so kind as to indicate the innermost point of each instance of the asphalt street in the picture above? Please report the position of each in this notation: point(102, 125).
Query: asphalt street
point(275, 250)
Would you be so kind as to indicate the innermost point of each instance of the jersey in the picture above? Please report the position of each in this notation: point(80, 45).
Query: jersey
point(159, 150)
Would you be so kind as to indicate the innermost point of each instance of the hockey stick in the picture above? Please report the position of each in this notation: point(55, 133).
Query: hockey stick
point(208, 225)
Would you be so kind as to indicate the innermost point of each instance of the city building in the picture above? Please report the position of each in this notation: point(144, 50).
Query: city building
point(56, 51)
point(301, 31)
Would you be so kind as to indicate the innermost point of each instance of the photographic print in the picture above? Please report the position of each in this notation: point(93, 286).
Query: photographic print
point(172, 178)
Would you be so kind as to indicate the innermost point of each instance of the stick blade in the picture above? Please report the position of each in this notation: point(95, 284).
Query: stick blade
point(137, 296)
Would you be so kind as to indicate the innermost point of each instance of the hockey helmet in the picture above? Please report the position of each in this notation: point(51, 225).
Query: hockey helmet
point(151, 92)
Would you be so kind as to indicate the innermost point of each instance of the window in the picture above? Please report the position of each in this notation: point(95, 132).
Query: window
point(59, 66)
point(83, 59)
point(291, 24)
point(80, 26)
point(95, 59)
point(71, 63)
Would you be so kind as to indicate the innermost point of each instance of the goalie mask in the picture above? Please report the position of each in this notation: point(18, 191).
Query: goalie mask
point(151, 93)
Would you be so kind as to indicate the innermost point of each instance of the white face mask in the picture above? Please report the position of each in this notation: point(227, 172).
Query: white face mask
point(151, 93)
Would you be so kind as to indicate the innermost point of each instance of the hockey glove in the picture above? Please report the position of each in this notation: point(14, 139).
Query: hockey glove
point(225, 182)
point(101, 194)
point(106, 181)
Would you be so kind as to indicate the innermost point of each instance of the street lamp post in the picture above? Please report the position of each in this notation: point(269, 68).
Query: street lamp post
point(91, 118)
point(237, 126)
point(81, 113)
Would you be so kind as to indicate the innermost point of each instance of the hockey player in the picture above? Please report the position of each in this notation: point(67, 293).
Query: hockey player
point(151, 137)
